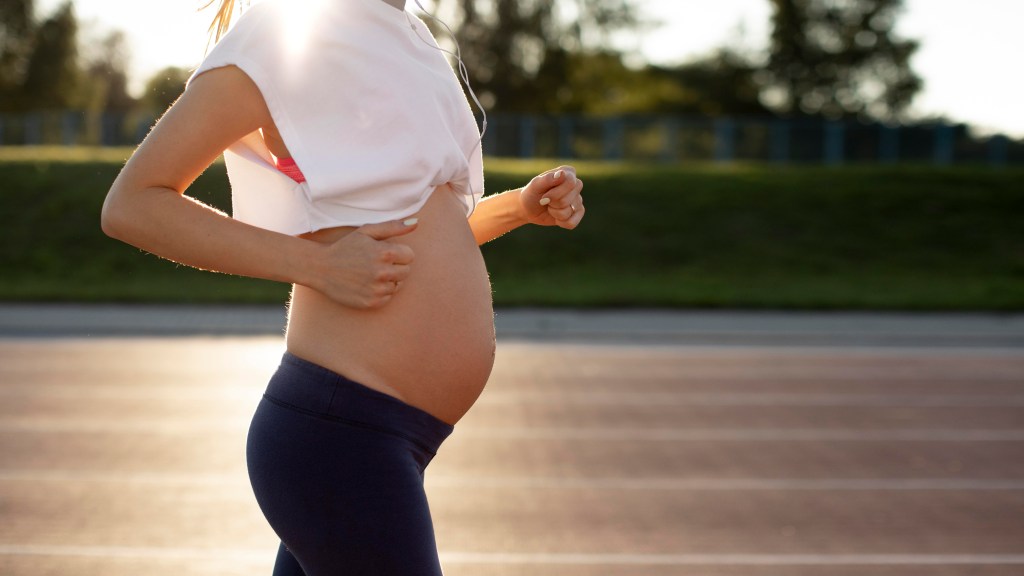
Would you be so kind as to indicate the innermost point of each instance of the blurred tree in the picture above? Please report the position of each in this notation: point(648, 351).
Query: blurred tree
point(519, 53)
point(721, 84)
point(53, 78)
point(838, 58)
point(17, 26)
point(163, 88)
point(599, 83)
point(107, 69)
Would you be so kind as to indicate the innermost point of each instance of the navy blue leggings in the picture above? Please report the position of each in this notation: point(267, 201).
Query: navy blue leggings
point(337, 469)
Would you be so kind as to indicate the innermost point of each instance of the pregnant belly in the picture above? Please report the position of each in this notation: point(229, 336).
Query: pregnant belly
point(432, 346)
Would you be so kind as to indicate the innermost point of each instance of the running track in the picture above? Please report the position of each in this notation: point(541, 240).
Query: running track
point(640, 444)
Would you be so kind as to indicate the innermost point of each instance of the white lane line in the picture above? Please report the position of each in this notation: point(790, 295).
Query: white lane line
point(756, 400)
point(751, 375)
point(621, 434)
point(542, 482)
point(588, 398)
point(143, 426)
point(734, 559)
point(146, 552)
point(725, 485)
point(743, 435)
point(997, 348)
point(125, 478)
point(185, 389)
point(261, 556)
point(192, 386)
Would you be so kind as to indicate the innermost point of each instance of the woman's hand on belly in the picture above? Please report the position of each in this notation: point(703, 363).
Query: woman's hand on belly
point(432, 345)
point(362, 269)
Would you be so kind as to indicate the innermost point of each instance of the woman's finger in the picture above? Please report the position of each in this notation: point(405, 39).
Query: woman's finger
point(395, 253)
point(562, 207)
point(561, 214)
point(563, 195)
point(385, 288)
point(568, 172)
point(574, 220)
point(393, 273)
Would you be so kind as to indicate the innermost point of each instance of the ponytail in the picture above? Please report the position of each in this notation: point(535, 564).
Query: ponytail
point(221, 20)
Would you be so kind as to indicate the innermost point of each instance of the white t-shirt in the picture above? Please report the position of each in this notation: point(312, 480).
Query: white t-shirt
point(369, 108)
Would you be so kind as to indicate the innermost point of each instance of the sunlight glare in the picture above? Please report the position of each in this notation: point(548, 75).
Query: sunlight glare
point(300, 16)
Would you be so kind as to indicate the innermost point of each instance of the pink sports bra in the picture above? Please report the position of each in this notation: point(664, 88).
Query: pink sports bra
point(288, 167)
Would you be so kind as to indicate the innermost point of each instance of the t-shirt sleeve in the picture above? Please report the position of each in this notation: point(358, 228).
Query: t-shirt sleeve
point(257, 44)
point(236, 48)
point(372, 119)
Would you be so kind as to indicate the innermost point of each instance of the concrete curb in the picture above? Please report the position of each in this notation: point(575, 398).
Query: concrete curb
point(648, 327)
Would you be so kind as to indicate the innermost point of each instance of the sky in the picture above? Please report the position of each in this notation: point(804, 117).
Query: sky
point(969, 59)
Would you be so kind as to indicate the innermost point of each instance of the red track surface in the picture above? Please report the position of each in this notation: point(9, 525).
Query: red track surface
point(126, 456)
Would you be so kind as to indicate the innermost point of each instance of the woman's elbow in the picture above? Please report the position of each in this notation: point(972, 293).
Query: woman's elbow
point(108, 219)
point(112, 215)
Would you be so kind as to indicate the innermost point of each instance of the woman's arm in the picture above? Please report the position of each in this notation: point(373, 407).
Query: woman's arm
point(553, 198)
point(146, 206)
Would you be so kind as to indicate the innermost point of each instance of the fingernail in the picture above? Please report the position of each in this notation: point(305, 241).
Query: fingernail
point(558, 175)
point(411, 221)
point(545, 201)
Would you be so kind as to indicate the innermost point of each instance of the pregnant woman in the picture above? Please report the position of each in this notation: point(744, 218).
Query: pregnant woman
point(356, 175)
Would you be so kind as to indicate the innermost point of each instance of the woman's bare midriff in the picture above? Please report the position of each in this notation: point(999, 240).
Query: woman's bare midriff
point(432, 345)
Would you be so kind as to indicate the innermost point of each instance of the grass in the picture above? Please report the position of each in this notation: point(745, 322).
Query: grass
point(745, 236)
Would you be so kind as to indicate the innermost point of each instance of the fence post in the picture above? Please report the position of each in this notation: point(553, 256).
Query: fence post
point(725, 139)
point(107, 130)
point(670, 140)
point(999, 150)
point(943, 154)
point(835, 142)
point(69, 128)
point(527, 137)
point(780, 133)
point(565, 137)
point(888, 144)
point(614, 130)
point(34, 129)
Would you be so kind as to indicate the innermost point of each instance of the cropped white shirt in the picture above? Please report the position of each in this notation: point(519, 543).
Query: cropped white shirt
point(369, 108)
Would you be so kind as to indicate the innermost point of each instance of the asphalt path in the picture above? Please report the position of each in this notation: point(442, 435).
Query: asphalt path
point(606, 444)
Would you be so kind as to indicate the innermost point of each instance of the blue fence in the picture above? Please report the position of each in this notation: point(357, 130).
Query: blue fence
point(649, 138)
point(74, 129)
point(681, 139)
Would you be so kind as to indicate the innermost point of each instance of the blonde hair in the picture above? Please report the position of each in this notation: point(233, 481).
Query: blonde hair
point(221, 20)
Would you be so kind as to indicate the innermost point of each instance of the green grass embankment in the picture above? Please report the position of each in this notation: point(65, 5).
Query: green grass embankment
point(907, 238)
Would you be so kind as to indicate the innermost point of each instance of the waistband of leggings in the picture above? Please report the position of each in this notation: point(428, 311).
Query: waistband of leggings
point(312, 388)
